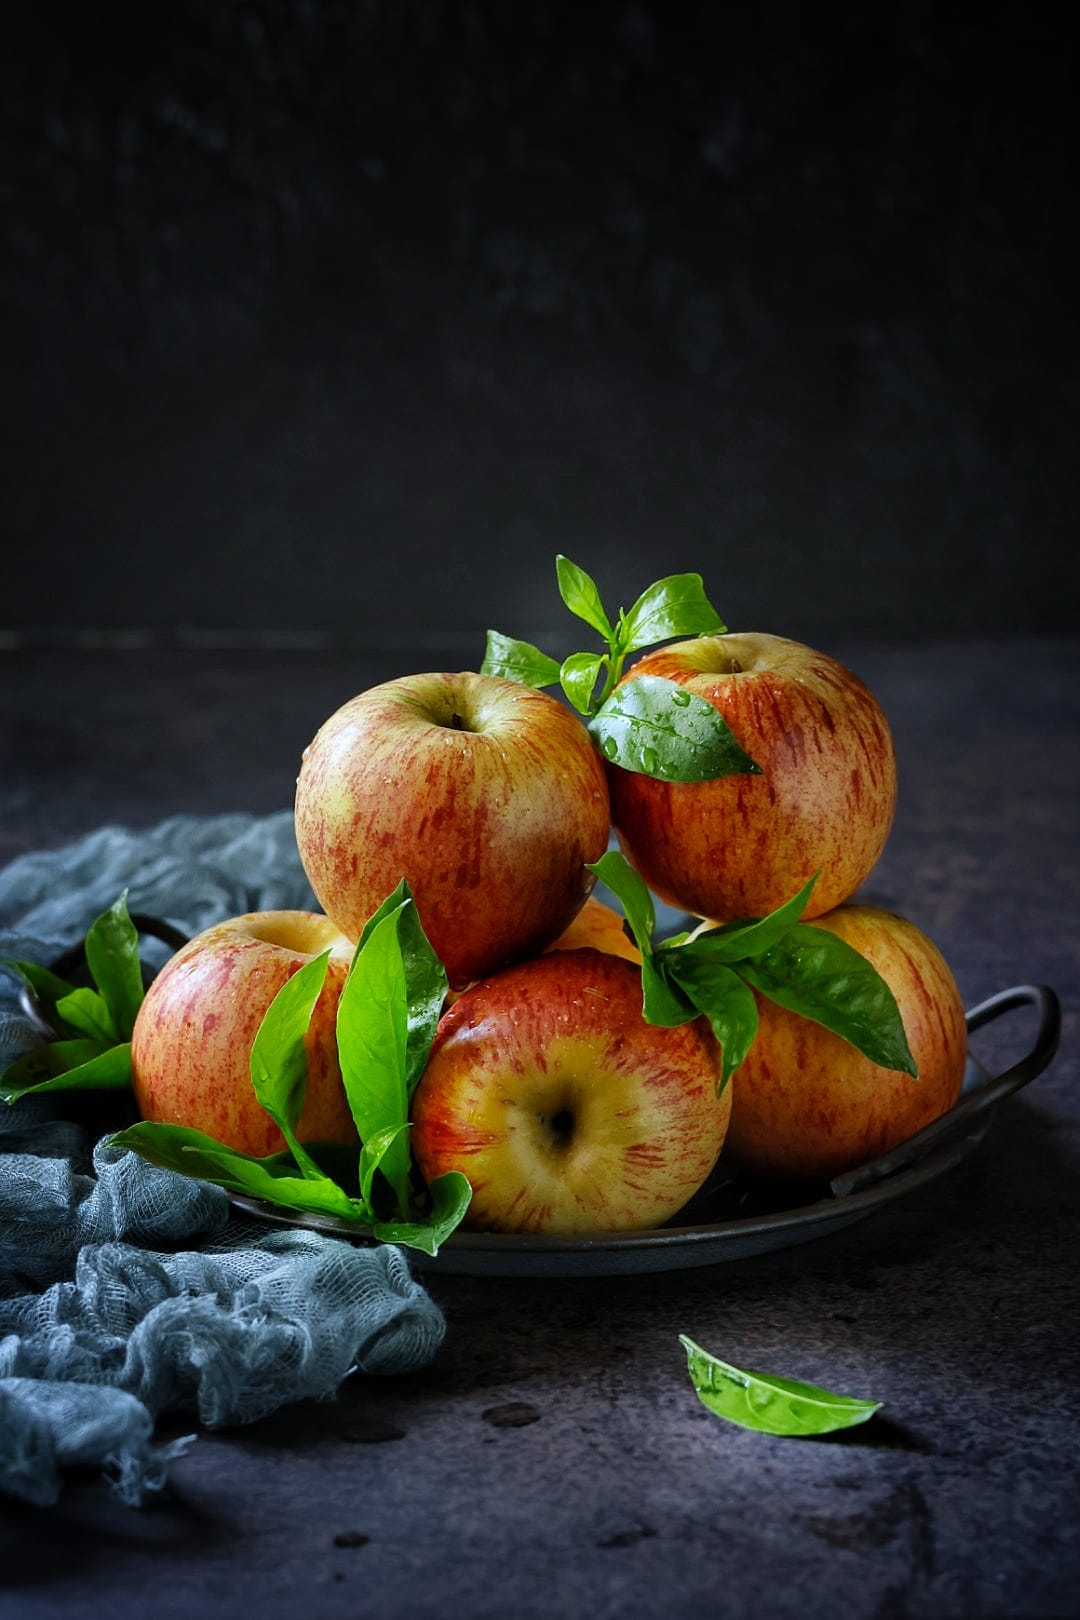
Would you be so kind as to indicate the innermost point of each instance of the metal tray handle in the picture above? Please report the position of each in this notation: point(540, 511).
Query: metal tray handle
point(985, 1094)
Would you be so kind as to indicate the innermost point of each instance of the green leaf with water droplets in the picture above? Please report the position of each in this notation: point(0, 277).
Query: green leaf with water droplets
point(768, 1404)
point(657, 728)
point(812, 972)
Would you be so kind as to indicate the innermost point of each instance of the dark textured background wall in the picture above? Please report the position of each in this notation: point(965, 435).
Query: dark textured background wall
point(343, 318)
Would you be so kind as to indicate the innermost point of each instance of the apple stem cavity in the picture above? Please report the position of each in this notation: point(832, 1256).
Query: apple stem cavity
point(561, 1126)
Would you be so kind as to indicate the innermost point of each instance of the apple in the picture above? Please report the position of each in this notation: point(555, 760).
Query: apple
point(488, 796)
point(597, 926)
point(600, 927)
point(194, 1031)
point(563, 1107)
point(807, 1104)
point(738, 846)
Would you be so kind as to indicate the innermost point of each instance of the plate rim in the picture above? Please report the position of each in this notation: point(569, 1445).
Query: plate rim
point(536, 1253)
point(931, 1152)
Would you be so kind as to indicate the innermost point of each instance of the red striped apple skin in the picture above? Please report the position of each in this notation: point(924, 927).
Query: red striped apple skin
point(805, 1104)
point(489, 797)
point(741, 845)
point(567, 1112)
point(193, 1034)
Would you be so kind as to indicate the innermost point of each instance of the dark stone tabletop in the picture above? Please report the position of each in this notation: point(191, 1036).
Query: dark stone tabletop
point(554, 1461)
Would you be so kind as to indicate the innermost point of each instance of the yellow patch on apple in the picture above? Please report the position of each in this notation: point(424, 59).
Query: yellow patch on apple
point(568, 1112)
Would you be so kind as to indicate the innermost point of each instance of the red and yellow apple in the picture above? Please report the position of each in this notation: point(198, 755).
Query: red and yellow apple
point(596, 927)
point(738, 846)
point(489, 797)
point(807, 1104)
point(193, 1034)
point(567, 1112)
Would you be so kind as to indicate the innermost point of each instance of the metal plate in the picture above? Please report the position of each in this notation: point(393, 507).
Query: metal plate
point(734, 1216)
point(711, 1235)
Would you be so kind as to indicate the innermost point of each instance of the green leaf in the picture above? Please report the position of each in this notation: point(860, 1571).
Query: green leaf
point(658, 728)
point(675, 606)
point(719, 993)
point(372, 1036)
point(578, 677)
point(278, 1061)
point(450, 1195)
point(78, 1065)
point(819, 976)
point(46, 985)
point(48, 989)
point(735, 941)
point(767, 1404)
point(663, 1002)
point(317, 1195)
point(192, 1153)
point(518, 661)
point(578, 590)
point(85, 1011)
point(112, 955)
point(389, 908)
point(387, 1017)
point(373, 1153)
point(630, 890)
point(426, 985)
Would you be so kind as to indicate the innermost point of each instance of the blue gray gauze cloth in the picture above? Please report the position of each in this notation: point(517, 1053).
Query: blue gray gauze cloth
point(127, 1291)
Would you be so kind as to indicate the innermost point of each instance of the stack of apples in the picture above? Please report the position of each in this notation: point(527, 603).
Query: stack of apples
point(545, 1086)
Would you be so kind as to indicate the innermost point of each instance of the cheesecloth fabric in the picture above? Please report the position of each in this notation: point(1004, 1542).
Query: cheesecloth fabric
point(127, 1291)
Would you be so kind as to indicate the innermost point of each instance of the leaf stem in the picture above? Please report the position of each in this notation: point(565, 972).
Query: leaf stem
point(613, 661)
